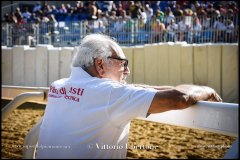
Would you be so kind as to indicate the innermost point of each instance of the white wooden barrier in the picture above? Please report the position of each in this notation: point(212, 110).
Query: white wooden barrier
point(210, 116)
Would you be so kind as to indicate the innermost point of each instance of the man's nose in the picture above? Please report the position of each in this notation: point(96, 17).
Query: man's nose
point(126, 71)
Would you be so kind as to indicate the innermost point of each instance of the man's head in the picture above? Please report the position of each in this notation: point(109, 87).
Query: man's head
point(101, 57)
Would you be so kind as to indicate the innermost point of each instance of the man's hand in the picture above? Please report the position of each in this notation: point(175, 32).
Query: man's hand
point(200, 93)
point(213, 96)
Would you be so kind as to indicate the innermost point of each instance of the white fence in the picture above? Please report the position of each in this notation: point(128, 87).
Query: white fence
point(128, 32)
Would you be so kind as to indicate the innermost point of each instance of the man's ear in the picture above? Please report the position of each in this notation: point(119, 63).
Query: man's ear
point(99, 66)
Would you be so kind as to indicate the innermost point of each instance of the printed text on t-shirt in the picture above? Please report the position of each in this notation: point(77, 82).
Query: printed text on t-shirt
point(70, 94)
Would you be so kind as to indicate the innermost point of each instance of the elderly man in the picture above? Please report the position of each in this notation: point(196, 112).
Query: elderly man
point(88, 114)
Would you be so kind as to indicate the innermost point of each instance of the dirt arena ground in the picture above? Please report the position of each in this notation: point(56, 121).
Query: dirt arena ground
point(146, 139)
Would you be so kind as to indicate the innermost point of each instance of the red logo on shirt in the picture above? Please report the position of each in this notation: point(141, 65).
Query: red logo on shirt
point(73, 93)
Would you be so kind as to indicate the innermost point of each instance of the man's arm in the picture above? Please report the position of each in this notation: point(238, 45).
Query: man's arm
point(154, 87)
point(181, 97)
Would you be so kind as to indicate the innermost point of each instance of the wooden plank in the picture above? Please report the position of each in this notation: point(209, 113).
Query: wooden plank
point(214, 67)
point(128, 51)
point(138, 65)
point(151, 64)
point(187, 64)
point(163, 64)
point(42, 65)
point(200, 64)
point(230, 71)
point(18, 66)
point(30, 67)
point(65, 62)
point(174, 64)
point(53, 71)
point(7, 70)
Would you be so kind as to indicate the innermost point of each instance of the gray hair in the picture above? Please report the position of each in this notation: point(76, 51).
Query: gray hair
point(95, 46)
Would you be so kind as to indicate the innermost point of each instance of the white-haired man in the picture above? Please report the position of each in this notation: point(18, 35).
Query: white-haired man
point(88, 114)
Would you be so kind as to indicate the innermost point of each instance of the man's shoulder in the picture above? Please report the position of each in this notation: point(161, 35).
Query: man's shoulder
point(59, 82)
point(109, 82)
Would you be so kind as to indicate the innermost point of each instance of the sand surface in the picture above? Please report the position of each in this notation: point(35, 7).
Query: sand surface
point(146, 139)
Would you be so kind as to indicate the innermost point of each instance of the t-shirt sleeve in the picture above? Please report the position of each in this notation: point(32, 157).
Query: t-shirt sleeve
point(127, 103)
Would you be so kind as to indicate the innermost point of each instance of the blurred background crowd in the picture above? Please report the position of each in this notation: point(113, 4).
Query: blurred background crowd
point(130, 22)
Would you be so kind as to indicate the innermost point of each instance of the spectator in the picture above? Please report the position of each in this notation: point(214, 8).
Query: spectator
point(159, 31)
point(160, 15)
point(141, 28)
point(54, 10)
point(52, 24)
point(133, 9)
point(101, 28)
point(68, 8)
point(112, 19)
point(125, 5)
point(206, 28)
point(149, 12)
point(92, 11)
point(171, 31)
point(178, 12)
point(129, 23)
point(194, 6)
point(49, 10)
point(168, 16)
point(26, 14)
point(125, 16)
point(85, 12)
point(210, 9)
point(45, 7)
point(102, 22)
point(18, 14)
point(21, 20)
point(196, 33)
point(188, 12)
point(119, 25)
point(229, 36)
point(33, 18)
point(119, 9)
point(63, 9)
point(107, 6)
point(220, 27)
point(232, 16)
point(182, 28)
point(170, 4)
point(120, 30)
point(37, 7)
point(114, 7)
point(142, 16)
point(105, 18)
point(155, 5)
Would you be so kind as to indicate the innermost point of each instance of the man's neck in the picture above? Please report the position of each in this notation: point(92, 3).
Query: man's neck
point(91, 71)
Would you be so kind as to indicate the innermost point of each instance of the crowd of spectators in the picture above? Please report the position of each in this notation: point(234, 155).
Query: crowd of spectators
point(165, 20)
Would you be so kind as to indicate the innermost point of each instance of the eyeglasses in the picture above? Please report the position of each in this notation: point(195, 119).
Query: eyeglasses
point(125, 64)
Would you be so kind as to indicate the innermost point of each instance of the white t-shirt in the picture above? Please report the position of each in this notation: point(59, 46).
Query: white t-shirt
point(89, 117)
point(182, 26)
